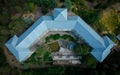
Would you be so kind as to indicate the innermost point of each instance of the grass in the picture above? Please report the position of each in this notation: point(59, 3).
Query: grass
point(54, 46)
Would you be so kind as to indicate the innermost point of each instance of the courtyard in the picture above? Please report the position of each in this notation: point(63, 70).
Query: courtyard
point(59, 48)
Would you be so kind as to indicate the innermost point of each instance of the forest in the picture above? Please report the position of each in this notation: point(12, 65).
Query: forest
point(102, 15)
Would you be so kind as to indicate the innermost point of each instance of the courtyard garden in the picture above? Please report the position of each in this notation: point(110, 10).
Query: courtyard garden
point(39, 57)
point(82, 49)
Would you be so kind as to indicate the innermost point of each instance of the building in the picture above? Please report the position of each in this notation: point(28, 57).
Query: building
point(65, 56)
point(59, 21)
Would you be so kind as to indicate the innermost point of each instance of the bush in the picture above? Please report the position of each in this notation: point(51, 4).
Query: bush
point(46, 56)
point(54, 46)
point(82, 49)
point(68, 4)
point(16, 25)
point(46, 5)
point(89, 61)
point(57, 36)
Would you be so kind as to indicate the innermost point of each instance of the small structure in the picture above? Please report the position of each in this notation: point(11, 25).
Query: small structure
point(71, 45)
point(66, 44)
point(65, 56)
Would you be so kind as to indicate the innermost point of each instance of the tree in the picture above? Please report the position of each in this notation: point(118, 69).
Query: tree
point(16, 25)
point(31, 6)
point(110, 20)
point(5, 16)
point(68, 4)
point(46, 4)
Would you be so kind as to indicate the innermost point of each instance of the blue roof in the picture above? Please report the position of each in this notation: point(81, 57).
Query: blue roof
point(101, 53)
point(60, 14)
point(20, 53)
point(59, 21)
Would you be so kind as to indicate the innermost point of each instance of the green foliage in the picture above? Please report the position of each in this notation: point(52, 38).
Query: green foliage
point(110, 20)
point(5, 16)
point(18, 9)
point(68, 37)
point(46, 56)
point(54, 46)
point(46, 5)
point(28, 20)
point(4, 32)
point(56, 71)
point(30, 60)
point(68, 4)
point(10, 25)
point(31, 6)
point(82, 49)
point(91, 0)
point(16, 25)
point(2, 58)
point(89, 61)
point(78, 3)
point(90, 16)
point(42, 51)
point(57, 36)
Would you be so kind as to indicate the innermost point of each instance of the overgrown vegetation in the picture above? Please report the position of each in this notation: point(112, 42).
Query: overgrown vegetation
point(82, 49)
point(110, 20)
point(46, 5)
point(39, 57)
